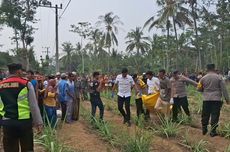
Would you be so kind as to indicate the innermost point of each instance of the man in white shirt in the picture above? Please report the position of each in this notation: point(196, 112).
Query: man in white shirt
point(125, 83)
point(153, 83)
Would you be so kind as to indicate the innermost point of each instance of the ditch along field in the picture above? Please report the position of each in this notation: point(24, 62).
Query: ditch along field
point(155, 135)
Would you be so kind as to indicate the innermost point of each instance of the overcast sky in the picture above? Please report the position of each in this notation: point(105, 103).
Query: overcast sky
point(132, 13)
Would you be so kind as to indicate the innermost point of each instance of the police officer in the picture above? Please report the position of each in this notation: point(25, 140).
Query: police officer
point(213, 87)
point(95, 99)
point(19, 111)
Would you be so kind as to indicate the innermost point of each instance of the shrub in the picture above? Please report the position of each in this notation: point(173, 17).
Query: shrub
point(50, 142)
point(167, 127)
point(140, 143)
point(225, 130)
point(199, 146)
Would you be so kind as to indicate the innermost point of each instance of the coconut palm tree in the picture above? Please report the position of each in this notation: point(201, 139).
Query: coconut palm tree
point(172, 12)
point(193, 5)
point(136, 41)
point(68, 49)
point(96, 40)
point(111, 23)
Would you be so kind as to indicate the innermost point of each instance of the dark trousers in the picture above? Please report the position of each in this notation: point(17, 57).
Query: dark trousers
point(125, 113)
point(178, 103)
point(211, 109)
point(15, 135)
point(76, 109)
point(139, 105)
point(41, 107)
point(96, 102)
point(51, 116)
point(63, 109)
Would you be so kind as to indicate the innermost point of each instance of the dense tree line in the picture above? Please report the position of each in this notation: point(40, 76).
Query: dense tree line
point(194, 33)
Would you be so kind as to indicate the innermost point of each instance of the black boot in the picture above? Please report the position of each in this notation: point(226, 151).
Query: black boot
point(204, 130)
point(213, 132)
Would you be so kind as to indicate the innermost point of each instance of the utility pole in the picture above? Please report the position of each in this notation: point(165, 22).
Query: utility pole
point(47, 52)
point(56, 7)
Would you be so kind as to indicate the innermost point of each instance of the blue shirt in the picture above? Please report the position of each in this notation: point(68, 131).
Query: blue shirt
point(34, 83)
point(62, 85)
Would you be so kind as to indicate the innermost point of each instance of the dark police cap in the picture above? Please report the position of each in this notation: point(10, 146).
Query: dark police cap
point(210, 66)
point(14, 67)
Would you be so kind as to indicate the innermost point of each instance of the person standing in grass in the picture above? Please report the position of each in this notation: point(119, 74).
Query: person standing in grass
point(163, 102)
point(179, 93)
point(153, 84)
point(70, 97)
point(141, 90)
point(95, 98)
point(50, 104)
point(31, 78)
point(62, 94)
point(76, 103)
point(84, 85)
point(125, 84)
point(213, 88)
point(19, 111)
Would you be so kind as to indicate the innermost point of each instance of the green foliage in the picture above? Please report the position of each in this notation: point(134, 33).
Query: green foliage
point(225, 130)
point(50, 141)
point(185, 120)
point(227, 149)
point(167, 127)
point(104, 129)
point(141, 142)
point(5, 59)
point(198, 146)
point(197, 100)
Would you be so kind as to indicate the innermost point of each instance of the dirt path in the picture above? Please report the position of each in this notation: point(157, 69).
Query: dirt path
point(159, 144)
point(215, 144)
point(78, 137)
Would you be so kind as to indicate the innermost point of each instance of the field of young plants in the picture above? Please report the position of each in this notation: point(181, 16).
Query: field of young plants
point(158, 134)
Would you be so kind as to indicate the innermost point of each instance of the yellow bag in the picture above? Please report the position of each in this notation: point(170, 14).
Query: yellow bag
point(150, 100)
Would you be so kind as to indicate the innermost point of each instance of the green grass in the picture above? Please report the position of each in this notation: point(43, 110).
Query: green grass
point(167, 128)
point(195, 100)
point(141, 142)
point(227, 149)
point(120, 137)
point(199, 146)
point(50, 142)
point(225, 130)
point(104, 129)
point(185, 120)
point(49, 139)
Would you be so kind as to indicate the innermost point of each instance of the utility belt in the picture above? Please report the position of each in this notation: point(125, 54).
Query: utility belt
point(14, 123)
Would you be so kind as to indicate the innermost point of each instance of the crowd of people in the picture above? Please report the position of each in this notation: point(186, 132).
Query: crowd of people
point(29, 98)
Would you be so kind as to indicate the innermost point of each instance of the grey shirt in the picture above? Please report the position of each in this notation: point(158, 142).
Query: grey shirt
point(213, 87)
point(165, 89)
point(34, 109)
point(179, 86)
